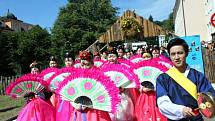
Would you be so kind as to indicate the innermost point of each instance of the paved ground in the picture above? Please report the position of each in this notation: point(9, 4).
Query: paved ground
point(213, 119)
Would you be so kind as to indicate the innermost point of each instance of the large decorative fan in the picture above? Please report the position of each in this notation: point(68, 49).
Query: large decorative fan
point(136, 58)
point(127, 63)
point(98, 63)
point(164, 61)
point(121, 75)
point(24, 85)
point(90, 88)
point(58, 77)
point(149, 70)
point(77, 65)
point(47, 73)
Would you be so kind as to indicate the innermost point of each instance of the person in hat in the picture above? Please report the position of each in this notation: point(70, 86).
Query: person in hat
point(112, 55)
point(53, 62)
point(86, 59)
point(68, 59)
point(96, 56)
point(176, 101)
point(34, 67)
point(120, 53)
point(155, 52)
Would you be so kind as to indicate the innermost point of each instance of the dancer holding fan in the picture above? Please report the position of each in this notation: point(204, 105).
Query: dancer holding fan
point(120, 74)
point(91, 93)
point(64, 109)
point(145, 107)
point(29, 86)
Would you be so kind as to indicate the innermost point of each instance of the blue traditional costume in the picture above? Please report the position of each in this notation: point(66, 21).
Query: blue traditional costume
point(172, 98)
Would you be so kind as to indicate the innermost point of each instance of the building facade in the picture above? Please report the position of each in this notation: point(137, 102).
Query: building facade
point(10, 21)
point(210, 10)
point(192, 17)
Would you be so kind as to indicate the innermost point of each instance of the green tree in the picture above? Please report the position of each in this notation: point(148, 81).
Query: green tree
point(19, 49)
point(151, 18)
point(80, 23)
point(32, 45)
point(168, 23)
point(7, 41)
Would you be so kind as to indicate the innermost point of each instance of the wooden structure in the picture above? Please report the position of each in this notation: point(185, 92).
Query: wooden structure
point(4, 82)
point(209, 64)
point(149, 29)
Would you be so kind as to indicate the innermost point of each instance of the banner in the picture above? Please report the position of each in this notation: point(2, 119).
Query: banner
point(194, 59)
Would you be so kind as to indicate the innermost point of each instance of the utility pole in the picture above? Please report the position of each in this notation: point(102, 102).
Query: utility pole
point(185, 31)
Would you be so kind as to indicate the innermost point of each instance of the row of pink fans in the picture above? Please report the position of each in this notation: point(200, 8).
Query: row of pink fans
point(98, 85)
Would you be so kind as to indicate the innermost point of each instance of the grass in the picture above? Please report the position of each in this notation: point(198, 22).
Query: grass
point(7, 102)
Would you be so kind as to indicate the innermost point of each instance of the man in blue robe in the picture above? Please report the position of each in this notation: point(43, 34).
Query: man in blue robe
point(172, 99)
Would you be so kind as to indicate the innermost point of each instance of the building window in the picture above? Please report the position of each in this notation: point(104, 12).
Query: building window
point(213, 37)
point(22, 29)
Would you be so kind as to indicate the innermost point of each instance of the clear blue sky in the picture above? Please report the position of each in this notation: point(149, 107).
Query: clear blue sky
point(45, 12)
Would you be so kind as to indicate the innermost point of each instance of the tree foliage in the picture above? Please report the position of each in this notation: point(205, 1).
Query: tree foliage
point(151, 18)
point(6, 43)
point(19, 49)
point(80, 23)
point(167, 24)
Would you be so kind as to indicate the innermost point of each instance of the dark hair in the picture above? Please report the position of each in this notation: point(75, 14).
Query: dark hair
point(112, 50)
point(68, 55)
point(178, 41)
point(156, 48)
point(120, 47)
point(53, 58)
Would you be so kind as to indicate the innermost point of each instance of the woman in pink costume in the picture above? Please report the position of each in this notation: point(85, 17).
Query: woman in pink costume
point(145, 107)
point(82, 113)
point(36, 110)
point(64, 109)
point(125, 109)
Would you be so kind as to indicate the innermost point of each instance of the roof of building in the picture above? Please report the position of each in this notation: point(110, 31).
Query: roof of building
point(9, 16)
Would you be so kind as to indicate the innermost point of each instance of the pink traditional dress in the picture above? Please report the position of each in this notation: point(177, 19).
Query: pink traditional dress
point(64, 111)
point(125, 111)
point(30, 87)
point(90, 115)
point(146, 109)
point(134, 94)
point(37, 110)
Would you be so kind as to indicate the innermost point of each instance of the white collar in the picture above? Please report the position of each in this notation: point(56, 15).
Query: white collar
point(187, 71)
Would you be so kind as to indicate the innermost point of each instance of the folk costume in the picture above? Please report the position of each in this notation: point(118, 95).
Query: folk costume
point(125, 110)
point(146, 109)
point(172, 98)
point(36, 109)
